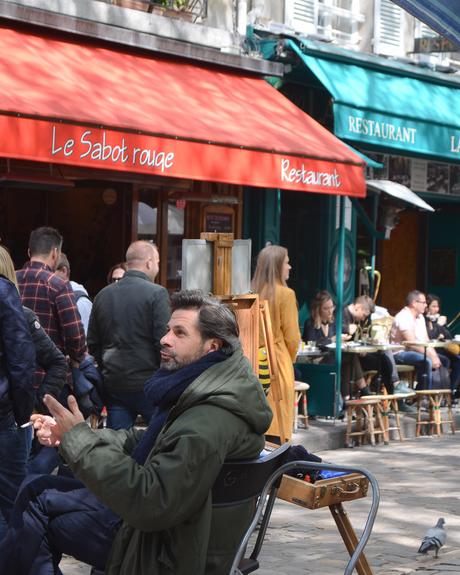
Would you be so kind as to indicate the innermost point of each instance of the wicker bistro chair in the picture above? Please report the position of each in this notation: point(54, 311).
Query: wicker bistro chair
point(242, 483)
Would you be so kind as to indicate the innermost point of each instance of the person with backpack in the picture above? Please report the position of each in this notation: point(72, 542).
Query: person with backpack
point(84, 303)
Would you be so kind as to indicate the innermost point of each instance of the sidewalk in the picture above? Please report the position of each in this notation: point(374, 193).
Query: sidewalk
point(419, 482)
point(325, 433)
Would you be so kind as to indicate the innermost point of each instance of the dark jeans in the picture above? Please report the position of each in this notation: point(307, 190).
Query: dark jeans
point(385, 365)
point(455, 368)
point(124, 407)
point(56, 515)
point(14, 451)
point(422, 368)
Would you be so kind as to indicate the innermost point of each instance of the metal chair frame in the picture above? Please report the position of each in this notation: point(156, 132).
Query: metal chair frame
point(243, 565)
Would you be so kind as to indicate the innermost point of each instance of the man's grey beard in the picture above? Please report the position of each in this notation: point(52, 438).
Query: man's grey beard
point(173, 364)
point(170, 365)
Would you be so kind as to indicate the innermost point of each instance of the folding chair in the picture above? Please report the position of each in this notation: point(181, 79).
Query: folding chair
point(243, 565)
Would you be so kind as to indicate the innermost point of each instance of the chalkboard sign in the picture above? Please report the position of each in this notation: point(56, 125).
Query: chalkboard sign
point(218, 219)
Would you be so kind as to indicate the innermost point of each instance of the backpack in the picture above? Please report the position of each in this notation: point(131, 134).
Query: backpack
point(79, 294)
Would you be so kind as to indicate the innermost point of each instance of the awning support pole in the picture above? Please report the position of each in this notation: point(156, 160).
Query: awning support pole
point(338, 320)
point(370, 226)
point(375, 208)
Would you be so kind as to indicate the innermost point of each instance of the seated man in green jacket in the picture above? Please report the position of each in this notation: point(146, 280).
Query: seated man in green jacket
point(142, 505)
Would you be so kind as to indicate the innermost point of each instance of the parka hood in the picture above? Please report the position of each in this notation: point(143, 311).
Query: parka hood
point(232, 385)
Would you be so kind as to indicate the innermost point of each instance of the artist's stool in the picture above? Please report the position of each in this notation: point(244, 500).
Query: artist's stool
point(365, 410)
point(435, 421)
point(300, 397)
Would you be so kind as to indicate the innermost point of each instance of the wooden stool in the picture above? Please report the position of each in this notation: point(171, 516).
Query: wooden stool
point(434, 421)
point(365, 410)
point(388, 405)
point(408, 370)
point(301, 389)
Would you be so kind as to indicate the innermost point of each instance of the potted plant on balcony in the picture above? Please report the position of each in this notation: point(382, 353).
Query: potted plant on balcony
point(172, 9)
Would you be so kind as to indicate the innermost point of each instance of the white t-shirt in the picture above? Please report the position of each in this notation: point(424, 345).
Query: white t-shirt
point(405, 321)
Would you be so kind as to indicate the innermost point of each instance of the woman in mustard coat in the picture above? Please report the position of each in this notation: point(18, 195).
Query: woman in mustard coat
point(269, 281)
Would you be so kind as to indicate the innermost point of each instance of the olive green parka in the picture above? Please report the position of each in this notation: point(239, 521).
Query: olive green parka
point(169, 526)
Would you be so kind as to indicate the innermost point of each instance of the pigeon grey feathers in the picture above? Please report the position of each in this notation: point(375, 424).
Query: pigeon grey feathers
point(434, 539)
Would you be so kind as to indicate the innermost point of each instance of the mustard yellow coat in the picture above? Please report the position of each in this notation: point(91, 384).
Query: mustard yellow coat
point(286, 334)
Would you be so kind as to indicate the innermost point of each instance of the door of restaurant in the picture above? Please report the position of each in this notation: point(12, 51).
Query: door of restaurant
point(91, 216)
point(167, 213)
point(400, 261)
point(443, 263)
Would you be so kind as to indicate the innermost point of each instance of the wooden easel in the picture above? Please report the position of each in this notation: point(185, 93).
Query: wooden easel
point(250, 314)
point(275, 388)
point(253, 314)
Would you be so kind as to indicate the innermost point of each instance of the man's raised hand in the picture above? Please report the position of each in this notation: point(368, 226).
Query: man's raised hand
point(65, 418)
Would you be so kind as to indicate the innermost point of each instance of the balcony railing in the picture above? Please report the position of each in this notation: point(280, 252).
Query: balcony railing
point(191, 10)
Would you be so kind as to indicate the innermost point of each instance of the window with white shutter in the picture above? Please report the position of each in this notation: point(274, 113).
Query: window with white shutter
point(336, 20)
point(302, 15)
point(388, 28)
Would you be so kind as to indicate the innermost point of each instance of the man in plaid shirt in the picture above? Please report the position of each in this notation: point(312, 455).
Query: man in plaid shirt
point(49, 296)
point(53, 301)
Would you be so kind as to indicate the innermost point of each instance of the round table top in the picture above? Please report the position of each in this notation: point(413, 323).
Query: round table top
point(354, 347)
point(369, 399)
point(388, 346)
point(388, 396)
point(432, 391)
point(430, 343)
point(310, 352)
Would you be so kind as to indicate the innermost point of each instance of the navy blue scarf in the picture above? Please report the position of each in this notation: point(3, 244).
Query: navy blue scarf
point(163, 390)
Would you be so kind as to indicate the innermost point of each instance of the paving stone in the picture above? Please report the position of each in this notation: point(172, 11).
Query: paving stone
point(419, 482)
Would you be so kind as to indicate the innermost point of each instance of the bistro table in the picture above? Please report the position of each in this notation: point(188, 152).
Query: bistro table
point(308, 354)
point(426, 345)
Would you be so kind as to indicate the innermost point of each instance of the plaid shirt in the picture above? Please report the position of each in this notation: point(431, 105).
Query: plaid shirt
point(53, 301)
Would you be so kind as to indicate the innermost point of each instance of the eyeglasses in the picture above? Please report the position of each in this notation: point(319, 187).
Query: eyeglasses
point(420, 301)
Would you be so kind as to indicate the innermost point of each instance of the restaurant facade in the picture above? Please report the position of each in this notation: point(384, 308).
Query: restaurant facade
point(403, 119)
point(112, 143)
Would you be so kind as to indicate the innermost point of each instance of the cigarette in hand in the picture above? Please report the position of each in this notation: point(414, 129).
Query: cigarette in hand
point(29, 423)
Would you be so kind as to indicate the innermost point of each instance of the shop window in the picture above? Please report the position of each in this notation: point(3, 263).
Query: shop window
point(331, 19)
point(176, 219)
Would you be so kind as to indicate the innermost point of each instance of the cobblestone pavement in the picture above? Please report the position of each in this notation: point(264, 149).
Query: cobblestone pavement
point(419, 482)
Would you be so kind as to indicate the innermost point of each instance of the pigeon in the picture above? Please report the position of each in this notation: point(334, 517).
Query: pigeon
point(434, 539)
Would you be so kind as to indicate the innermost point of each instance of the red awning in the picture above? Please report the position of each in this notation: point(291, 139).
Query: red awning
point(94, 106)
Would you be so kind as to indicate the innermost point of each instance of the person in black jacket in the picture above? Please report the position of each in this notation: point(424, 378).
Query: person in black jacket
point(128, 319)
point(17, 369)
point(437, 329)
point(49, 358)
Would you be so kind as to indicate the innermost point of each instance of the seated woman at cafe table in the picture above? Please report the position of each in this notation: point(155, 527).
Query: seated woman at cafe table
point(437, 329)
point(321, 329)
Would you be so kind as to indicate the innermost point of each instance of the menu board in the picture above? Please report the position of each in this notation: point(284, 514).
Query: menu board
point(218, 221)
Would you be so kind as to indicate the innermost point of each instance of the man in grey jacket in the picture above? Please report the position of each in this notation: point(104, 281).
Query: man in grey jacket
point(127, 321)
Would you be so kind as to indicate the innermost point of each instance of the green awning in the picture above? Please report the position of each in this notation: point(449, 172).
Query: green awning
point(387, 105)
point(369, 161)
